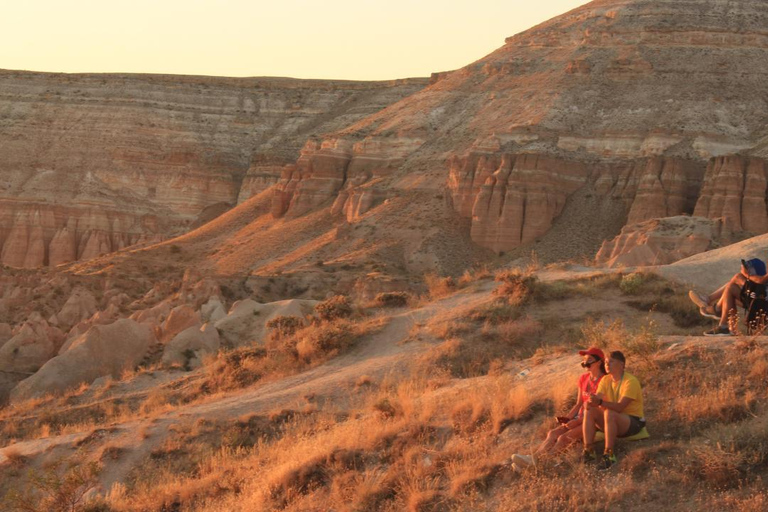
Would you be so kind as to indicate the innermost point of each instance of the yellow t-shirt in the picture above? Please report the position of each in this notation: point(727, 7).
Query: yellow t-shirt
point(630, 387)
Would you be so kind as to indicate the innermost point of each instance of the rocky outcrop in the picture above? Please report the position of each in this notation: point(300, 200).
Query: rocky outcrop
point(34, 235)
point(103, 350)
point(32, 345)
point(735, 190)
point(666, 187)
point(518, 199)
point(334, 172)
point(213, 310)
point(80, 306)
point(179, 319)
point(95, 163)
point(663, 241)
point(190, 346)
point(246, 321)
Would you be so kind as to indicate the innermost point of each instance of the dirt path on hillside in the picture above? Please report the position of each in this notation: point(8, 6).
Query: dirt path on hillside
point(383, 353)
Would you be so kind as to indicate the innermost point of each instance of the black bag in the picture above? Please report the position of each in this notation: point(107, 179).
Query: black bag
point(753, 296)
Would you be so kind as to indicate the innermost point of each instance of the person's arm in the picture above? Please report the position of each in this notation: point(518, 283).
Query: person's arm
point(758, 279)
point(615, 406)
point(575, 409)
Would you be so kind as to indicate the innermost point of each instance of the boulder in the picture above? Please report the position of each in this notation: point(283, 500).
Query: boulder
point(80, 306)
point(179, 319)
point(213, 310)
point(32, 344)
point(102, 350)
point(247, 319)
point(199, 340)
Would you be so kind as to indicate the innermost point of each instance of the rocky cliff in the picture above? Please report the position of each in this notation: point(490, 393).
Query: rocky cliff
point(634, 98)
point(641, 108)
point(92, 163)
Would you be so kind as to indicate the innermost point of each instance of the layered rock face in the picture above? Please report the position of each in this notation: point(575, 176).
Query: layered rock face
point(512, 199)
point(633, 98)
point(663, 241)
point(90, 164)
point(340, 172)
point(735, 189)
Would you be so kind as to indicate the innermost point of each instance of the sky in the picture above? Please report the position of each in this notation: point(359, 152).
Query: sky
point(341, 39)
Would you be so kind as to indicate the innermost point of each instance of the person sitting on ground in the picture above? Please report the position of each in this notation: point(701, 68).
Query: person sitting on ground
point(569, 429)
point(719, 304)
point(616, 409)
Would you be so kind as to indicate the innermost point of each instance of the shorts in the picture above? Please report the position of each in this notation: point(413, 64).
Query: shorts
point(635, 426)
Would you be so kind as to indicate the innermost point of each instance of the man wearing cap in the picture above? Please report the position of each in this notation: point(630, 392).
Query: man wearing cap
point(719, 304)
point(616, 409)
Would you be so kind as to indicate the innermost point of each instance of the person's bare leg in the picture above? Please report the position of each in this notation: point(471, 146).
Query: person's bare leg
point(729, 301)
point(616, 424)
point(566, 440)
point(552, 437)
point(714, 297)
point(592, 417)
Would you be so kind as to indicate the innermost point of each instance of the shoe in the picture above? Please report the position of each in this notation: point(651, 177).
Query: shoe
point(698, 299)
point(607, 461)
point(588, 456)
point(516, 468)
point(720, 330)
point(523, 460)
point(709, 312)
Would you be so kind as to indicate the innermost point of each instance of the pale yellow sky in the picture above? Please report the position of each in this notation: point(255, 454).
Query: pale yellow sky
point(343, 39)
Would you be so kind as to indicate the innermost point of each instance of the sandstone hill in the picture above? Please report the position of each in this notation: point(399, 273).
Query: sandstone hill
point(317, 332)
point(613, 114)
point(90, 164)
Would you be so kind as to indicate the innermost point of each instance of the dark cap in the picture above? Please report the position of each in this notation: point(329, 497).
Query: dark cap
point(755, 267)
point(618, 356)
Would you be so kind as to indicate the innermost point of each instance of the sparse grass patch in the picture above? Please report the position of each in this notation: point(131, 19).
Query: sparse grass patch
point(392, 299)
point(439, 286)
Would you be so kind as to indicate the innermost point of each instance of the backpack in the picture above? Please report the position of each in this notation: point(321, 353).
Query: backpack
point(753, 296)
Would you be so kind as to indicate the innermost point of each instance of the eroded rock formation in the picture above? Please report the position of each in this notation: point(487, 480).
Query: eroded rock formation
point(735, 189)
point(663, 241)
point(95, 163)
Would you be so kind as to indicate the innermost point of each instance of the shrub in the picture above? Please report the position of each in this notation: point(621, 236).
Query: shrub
point(338, 306)
point(516, 286)
point(283, 326)
point(324, 339)
point(392, 299)
point(54, 490)
point(439, 286)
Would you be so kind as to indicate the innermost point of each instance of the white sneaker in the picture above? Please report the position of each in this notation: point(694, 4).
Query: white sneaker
point(698, 299)
point(523, 460)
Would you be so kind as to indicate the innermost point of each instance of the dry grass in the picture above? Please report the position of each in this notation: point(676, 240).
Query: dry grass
point(437, 439)
point(439, 286)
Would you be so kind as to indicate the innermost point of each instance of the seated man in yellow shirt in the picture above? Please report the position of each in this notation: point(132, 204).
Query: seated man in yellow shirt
point(616, 409)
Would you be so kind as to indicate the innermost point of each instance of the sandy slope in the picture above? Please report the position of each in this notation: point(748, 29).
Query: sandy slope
point(708, 270)
point(383, 353)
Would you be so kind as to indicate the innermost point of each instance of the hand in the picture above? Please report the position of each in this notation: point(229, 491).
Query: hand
point(572, 424)
point(593, 399)
point(563, 420)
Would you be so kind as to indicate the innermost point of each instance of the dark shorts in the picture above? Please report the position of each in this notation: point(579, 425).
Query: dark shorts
point(635, 426)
